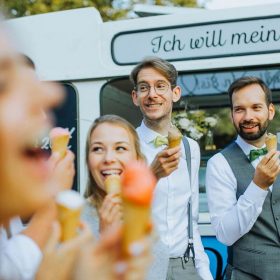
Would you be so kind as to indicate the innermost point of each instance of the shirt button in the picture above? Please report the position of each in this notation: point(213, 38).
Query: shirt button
point(274, 202)
point(277, 218)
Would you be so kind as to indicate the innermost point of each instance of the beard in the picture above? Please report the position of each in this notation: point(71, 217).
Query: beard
point(255, 135)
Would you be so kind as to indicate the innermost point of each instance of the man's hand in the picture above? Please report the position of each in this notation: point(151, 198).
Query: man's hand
point(267, 170)
point(166, 162)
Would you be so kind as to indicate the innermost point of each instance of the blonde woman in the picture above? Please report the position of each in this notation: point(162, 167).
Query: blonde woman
point(111, 144)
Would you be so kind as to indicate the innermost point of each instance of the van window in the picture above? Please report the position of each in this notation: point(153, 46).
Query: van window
point(115, 98)
point(203, 110)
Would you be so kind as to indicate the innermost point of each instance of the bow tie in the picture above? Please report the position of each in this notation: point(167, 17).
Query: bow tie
point(254, 154)
point(160, 140)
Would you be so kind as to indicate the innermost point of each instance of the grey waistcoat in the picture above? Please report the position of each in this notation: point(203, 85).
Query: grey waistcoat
point(258, 251)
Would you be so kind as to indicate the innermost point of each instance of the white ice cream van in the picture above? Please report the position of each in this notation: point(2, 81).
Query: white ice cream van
point(210, 49)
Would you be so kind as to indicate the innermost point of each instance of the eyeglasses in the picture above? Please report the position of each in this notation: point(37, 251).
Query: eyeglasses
point(160, 88)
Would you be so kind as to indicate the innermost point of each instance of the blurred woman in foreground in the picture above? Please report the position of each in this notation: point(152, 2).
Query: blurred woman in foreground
point(25, 176)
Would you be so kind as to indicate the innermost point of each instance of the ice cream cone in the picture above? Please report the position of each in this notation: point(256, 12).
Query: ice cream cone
point(271, 142)
point(138, 184)
point(113, 184)
point(174, 137)
point(59, 140)
point(136, 222)
point(69, 206)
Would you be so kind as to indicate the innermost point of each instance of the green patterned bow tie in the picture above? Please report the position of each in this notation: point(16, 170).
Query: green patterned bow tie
point(160, 140)
point(254, 154)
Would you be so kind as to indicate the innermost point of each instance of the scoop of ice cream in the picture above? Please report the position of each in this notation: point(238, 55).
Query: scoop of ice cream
point(70, 199)
point(138, 183)
point(113, 184)
point(174, 137)
point(58, 132)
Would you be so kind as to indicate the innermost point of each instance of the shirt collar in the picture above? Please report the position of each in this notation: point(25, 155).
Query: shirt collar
point(246, 147)
point(147, 134)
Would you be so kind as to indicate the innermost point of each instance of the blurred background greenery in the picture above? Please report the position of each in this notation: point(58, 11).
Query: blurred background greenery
point(109, 9)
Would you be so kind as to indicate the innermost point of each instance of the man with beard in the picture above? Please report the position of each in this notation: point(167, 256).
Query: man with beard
point(244, 190)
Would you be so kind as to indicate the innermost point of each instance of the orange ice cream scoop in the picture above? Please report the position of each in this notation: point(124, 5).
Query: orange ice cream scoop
point(113, 184)
point(174, 137)
point(138, 183)
point(271, 142)
point(59, 140)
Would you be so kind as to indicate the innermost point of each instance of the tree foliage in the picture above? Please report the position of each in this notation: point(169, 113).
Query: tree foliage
point(19, 8)
point(109, 9)
point(177, 3)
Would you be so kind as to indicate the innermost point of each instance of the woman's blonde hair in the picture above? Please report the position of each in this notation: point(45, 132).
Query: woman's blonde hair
point(92, 190)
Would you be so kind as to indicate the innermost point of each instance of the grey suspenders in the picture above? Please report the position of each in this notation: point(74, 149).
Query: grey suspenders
point(190, 247)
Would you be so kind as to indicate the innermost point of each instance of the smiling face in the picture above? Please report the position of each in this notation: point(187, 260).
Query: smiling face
point(111, 148)
point(24, 171)
point(154, 106)
point(251, 114)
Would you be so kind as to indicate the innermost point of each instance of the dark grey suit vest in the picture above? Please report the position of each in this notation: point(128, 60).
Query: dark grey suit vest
point(257, 252)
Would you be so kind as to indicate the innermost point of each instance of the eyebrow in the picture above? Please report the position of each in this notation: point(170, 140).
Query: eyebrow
point(139, 82)
point(101, 143)
point(254, 104)
point(237, 107)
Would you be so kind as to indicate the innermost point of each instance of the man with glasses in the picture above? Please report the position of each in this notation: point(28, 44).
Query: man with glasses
point(155, 90)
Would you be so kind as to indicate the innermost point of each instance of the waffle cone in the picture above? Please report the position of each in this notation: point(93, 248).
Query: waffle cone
point(271, 142)
point(69, 207)
point(59, 144)
point(113, 184)
point(69, 220)
point(136, 223)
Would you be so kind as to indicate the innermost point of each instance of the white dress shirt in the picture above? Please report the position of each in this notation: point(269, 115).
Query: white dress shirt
point(231, 219)
point(170, 204)
point(20, 256)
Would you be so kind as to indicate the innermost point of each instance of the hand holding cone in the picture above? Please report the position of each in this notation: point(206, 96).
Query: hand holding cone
point(59, 140)
point(271, 142)
point(138, 183)
point(69, 207)
point(174, 137)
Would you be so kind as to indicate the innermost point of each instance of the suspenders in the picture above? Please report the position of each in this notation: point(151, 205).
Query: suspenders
point(190, 247)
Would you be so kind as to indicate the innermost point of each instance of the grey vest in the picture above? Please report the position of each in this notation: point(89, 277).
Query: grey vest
point(257, 252)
